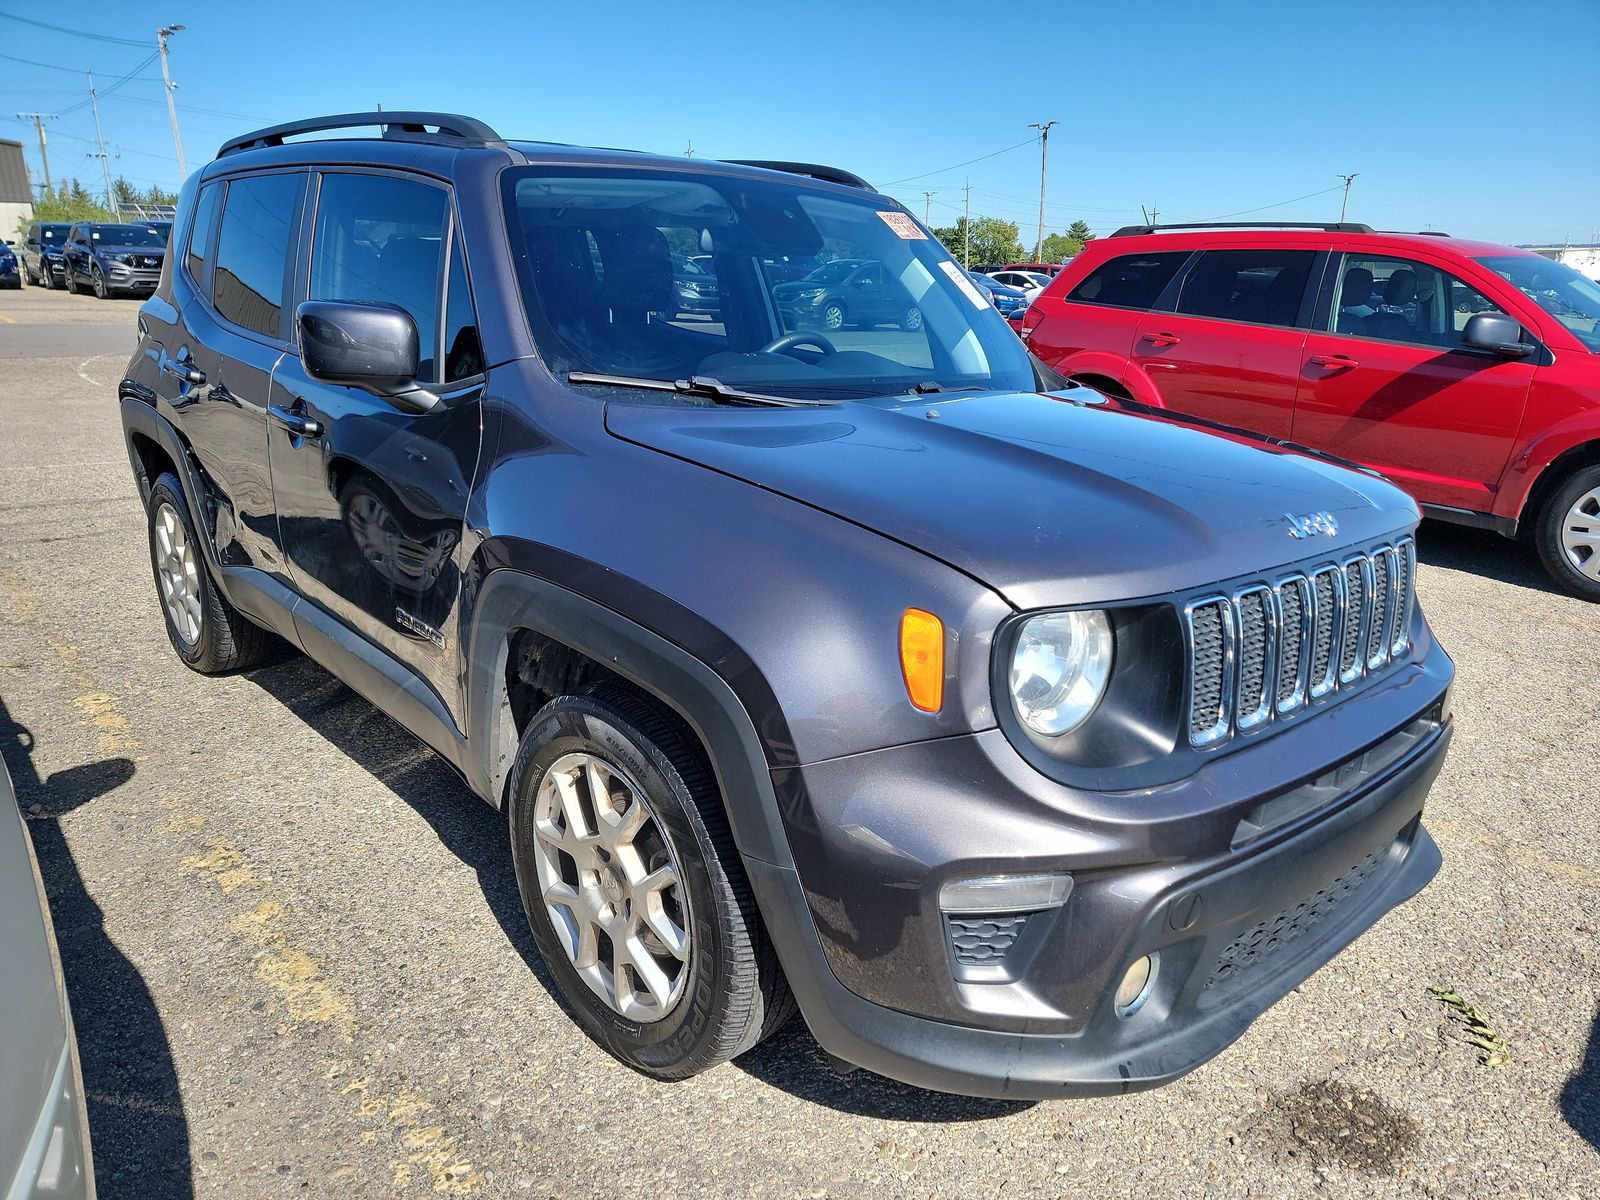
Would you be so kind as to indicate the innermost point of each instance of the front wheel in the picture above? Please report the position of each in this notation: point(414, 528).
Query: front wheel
point(911, 319)
point(71, 280)
point(633, 889)
point(1568, 534)
point(98, 281)
point(45, 280)
point(833, 316)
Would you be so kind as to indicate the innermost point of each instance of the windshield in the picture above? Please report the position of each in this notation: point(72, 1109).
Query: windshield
point(819, 294)
point(128, 235)
point(50, 233)
point(1555, 287)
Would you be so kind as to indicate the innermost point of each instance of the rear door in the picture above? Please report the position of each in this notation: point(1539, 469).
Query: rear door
point(1386, 382)
point(1100, 314)
point(1230, 350)
point(231, 336)
point(372, 501)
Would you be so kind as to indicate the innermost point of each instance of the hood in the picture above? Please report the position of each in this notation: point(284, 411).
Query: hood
point(1044, 501)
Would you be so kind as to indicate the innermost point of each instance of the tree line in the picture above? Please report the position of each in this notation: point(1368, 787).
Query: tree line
point(991, 240)
point(71, 201)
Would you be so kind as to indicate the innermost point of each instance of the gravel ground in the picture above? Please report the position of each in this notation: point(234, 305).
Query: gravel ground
point(298, 965)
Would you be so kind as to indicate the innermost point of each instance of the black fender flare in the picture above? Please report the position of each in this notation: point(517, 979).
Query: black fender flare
point(140, 417)
point(511, 600)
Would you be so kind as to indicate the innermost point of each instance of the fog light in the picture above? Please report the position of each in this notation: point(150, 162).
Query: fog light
point(1134, 989)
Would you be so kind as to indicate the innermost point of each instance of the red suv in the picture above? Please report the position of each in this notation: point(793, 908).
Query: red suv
point(1468, 373)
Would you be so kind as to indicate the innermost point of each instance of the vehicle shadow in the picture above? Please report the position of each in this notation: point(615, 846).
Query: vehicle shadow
point(138, 1132)
point(1580, 1099)
point(476, 834)
point(1483, 552)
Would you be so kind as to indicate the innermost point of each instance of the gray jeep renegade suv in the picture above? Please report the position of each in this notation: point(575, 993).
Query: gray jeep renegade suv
point(1027, 748)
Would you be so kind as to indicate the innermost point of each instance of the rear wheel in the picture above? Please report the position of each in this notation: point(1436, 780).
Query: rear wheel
point(633, 889)
point(209, 634)
point(1568, 534)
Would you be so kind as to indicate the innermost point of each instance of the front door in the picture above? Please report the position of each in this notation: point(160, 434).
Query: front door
point(1387, 383)
point(372, 500)
point(1230, 352)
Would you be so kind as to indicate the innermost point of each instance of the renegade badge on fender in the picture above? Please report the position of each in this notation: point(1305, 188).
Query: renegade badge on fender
point(1022, 745)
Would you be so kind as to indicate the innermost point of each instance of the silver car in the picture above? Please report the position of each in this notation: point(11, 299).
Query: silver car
point(44, 1129)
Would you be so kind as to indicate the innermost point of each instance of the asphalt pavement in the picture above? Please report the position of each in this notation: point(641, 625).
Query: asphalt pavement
point(298, 965)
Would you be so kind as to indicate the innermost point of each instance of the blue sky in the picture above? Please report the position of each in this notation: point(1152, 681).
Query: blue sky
point(1469, 116)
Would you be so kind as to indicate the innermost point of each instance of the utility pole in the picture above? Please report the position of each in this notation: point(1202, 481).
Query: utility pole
point(100, 140)
point(927, 206)
point(966, 225)
point(38, 120)
point(689, 150)
point(1345, 207)
point(1044, 162)
point(162, 35)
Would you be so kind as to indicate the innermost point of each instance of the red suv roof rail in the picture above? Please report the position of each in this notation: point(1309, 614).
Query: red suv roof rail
point(1325, 226)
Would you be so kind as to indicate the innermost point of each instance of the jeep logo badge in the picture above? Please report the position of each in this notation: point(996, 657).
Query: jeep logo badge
point(1311, 524)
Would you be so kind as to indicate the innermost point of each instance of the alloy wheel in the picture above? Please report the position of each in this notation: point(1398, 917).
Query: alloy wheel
point(1580, 534)
point(99, 282)
point(178, 573)
point(611, 886)
point(833, 317)
point(913, 319)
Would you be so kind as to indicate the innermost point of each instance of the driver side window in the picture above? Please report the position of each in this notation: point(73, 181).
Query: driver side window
point(1402, 300)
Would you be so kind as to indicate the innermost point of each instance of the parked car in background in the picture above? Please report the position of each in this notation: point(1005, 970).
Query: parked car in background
point(10, 267)
point(839, 671)
point(41, 252)
point(44, 1125)
point(1015, 319)
point(1029, 281)
point(694, 287)
point(1469, 373)
point(1003, 296)
point(111, 258)
point(847, 292)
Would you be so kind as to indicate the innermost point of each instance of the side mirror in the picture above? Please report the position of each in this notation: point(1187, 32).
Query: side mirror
point(1495, 333)
point(369, 346)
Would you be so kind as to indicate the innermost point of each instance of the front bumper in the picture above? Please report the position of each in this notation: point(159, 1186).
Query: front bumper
point(121, 278)
point(1233, 925)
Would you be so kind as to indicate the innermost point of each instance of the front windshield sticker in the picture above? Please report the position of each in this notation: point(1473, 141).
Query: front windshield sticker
point(959, 278)
point(904, 227)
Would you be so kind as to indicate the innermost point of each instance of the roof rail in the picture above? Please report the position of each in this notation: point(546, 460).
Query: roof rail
point(1417, 232)
point(397, 126)
point(1325, 226)
point(812, 170)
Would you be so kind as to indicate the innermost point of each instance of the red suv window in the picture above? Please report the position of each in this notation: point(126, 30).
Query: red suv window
point(1131, 281)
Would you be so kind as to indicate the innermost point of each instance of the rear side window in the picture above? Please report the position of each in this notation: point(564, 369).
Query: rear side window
point(247, 283)
point(380, 239)
point(1264, 287)
point(200, 230)
point(1131, 281)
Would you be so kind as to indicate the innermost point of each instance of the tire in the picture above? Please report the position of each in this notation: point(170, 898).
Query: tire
point(1568, 533)
point(833, 315)
point(98, 282)
point(209, 634)
point(911, 319)
point(71, 280)
point(44, 278)
point(723, 991)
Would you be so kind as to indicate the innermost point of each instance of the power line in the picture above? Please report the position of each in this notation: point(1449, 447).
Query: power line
point(1247, 211)
point(49, 66)
point(128, 78)
point(98, 37)
point(968, 163)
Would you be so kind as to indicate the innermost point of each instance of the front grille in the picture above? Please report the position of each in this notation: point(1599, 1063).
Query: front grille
point(1271, 935)
point(1267, 650)
point(981, 940)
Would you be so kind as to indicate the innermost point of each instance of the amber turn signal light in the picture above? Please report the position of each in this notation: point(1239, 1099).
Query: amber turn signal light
point(922, 658)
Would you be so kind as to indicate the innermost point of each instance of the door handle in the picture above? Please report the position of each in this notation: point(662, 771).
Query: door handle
point(295, 423)
point(182, 370)
point(1161, 339)
point(1334, 362)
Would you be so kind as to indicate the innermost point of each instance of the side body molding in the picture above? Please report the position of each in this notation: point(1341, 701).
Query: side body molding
point(510, 600)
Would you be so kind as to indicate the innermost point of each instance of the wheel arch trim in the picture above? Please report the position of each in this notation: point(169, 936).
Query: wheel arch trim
point(511, 600)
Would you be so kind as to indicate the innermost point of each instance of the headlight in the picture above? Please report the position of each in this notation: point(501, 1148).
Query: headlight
point(808, 293)
point(1059, 670)
point(116, 258)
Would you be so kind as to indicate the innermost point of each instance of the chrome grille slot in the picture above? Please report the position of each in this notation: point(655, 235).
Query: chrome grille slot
point(1352, 628)
point(1253, 618)
point(1294, 641)
point(1269, 650)
point(1210, 669)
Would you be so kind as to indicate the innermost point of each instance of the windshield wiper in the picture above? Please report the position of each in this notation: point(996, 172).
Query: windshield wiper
point(696, 385)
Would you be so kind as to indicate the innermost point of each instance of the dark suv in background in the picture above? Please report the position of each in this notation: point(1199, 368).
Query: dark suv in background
point(1028, 747)
point(40, 252)
point(109, 259)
